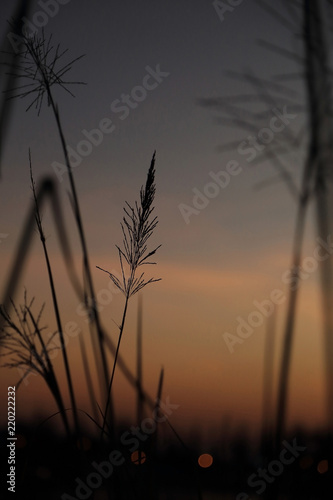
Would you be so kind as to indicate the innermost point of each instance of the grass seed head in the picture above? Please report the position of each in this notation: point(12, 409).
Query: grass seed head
point(137, 227)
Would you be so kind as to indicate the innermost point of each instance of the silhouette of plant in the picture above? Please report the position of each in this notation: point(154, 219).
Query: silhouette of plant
point(23, 343)
point(40, 64)
point(137, 228)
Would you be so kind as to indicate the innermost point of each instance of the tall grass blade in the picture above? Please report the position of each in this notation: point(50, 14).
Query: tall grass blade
point(55, 304)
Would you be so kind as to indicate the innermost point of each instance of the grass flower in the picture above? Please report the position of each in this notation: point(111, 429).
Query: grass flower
point(137, 227)
point(41, 65)
point(23, 344)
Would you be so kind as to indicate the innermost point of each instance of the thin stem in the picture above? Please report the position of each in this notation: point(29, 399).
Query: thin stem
point(311, 175)
point(268, 380)
point(78, 218)
point(291, 314)
point(50, 376)
point(121, 329)
point(55, 306)
point(140, 398)
point(87, 373)
point(319, 95)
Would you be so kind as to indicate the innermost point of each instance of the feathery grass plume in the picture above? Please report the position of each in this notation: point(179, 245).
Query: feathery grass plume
point(39, 65)
point(23, 343)
point(137, 228)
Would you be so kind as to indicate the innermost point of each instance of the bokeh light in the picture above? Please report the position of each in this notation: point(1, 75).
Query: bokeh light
point(322, 466)
point(138, 457)
point(205, 460)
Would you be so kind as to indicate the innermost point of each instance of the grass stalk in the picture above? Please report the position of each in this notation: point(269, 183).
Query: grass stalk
point(86, 369)
point(55, 305)
point(23, 342)
point(313, 182)
point(291, 310)
point(268, 384)
point(86, 264)
point(140, 398)
point(39, 67)
point(137, 228)
point(121, 329)
point(319, 97)
point(50, 376)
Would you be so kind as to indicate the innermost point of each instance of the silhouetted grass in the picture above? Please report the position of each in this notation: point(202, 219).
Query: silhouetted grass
point(137, 228)
point(173, 470)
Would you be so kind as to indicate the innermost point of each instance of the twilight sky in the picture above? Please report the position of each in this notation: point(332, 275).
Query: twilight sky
point(236, 245)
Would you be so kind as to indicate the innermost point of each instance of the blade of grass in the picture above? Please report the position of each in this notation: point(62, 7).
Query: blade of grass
point(55, 304)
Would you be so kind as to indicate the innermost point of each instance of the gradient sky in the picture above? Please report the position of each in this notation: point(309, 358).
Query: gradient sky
point(230, 254)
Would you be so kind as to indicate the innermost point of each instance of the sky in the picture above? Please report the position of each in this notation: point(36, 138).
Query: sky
point(219, 254)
